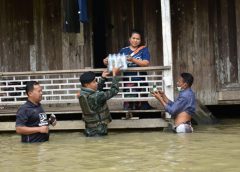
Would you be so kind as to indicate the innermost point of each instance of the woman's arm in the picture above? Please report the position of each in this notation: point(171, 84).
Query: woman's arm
point(139, 62)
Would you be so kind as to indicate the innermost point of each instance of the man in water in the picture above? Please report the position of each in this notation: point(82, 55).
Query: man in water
point(93, 102)
point(31, 120)
point(183, 108)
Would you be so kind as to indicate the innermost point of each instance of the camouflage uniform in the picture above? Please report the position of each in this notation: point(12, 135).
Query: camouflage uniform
point(98, 117)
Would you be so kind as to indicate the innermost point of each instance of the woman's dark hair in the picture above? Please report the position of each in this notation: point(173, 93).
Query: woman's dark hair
point(134, 31)
point(30, 86)
point(188, 78)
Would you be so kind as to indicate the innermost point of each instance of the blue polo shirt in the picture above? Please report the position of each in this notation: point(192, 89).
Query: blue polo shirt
point(185, 102)
point(31, 115)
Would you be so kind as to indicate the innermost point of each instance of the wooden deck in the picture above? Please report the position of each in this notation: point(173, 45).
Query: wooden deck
point(126, 122)
point(115, 124)
point(122, 119)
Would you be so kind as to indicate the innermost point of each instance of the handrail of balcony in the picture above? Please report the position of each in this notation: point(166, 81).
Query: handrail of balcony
point(61, 86)
point(132, 69)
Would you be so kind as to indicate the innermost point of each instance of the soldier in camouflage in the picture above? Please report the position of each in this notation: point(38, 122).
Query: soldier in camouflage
point(93, 101)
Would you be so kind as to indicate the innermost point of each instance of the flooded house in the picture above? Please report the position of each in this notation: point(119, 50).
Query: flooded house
point(54, 41)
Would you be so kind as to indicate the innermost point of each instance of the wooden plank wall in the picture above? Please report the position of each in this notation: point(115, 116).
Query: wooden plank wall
point(205, 43)
point(32, 31)
point(227, 63)
point(205, 37)
point(16, 34)
point(153, 28)
point(47, 34)
point(32, 38)
point(237, 7)
point(57, 49)
point(192, 46)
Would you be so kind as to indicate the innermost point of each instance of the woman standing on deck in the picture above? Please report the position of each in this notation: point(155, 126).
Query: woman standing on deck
point(138, 56)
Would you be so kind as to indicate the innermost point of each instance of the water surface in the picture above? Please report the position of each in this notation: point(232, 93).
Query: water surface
point(210, 149)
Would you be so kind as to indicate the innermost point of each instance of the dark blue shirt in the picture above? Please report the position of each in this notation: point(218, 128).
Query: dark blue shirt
point(31, 115)
point(143, 54)
point(185, 102)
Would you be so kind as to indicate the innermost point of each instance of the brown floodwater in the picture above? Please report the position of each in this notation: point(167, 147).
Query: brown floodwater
point(211, 148)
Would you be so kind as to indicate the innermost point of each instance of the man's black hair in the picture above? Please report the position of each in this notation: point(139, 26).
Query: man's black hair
point(30, 86)
point(188, 78)
point(87, 77)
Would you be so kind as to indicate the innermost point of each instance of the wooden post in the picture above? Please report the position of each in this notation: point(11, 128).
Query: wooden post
point(167, 49)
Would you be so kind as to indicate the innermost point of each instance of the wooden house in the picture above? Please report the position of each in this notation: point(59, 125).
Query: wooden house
point(203, 38)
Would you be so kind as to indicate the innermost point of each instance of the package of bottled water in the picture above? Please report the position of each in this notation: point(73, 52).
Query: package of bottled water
point(117, 60)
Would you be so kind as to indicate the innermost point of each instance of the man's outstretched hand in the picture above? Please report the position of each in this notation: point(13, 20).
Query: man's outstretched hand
point(116, 70)
point(105, 73)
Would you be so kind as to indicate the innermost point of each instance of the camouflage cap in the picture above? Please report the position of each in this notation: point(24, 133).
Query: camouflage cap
point(87, 77)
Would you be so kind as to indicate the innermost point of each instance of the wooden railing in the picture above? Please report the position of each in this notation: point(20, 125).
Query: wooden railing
point(62, 86)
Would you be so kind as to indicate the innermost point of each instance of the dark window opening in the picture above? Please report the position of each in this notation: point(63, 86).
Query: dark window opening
point(99, 31)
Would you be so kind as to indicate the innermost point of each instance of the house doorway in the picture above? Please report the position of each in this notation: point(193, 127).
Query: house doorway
point(99, 31)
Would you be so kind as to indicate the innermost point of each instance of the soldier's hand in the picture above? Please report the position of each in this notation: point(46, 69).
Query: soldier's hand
point(116, 70)
point(105, 73)
point(43, 129)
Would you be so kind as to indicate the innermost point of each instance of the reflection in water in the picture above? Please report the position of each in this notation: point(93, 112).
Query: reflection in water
point(211, 148)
